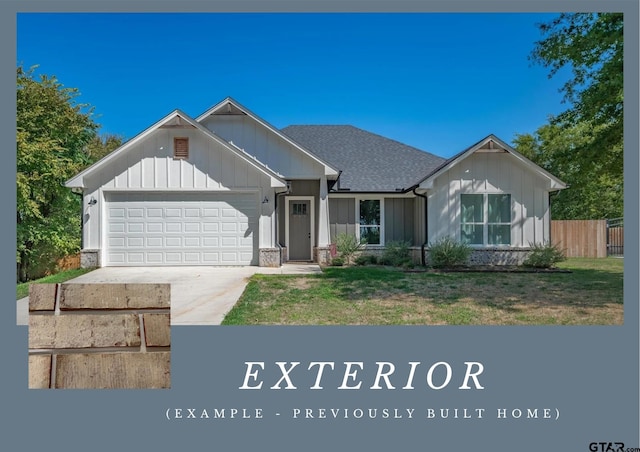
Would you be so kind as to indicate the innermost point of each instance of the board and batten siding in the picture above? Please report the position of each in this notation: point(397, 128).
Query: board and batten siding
point(342, 217)
point(149, 166)
point(491, 172)
point(266, 146)
point(398, 221)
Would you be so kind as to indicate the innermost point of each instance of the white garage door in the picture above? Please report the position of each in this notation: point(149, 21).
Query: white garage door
point(181, 229)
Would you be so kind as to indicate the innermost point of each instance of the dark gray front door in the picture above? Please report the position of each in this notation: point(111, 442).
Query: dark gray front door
point(299, 230)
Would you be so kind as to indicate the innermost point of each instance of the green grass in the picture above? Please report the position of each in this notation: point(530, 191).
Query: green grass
point(22, 290)
point(590, 294)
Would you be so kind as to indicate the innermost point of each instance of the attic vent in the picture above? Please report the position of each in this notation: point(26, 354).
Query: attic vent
point(180, 148)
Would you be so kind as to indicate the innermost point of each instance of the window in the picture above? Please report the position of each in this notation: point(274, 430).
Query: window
point(180, 148)
point(370, 221)
point(485, 219)
point(299, 208)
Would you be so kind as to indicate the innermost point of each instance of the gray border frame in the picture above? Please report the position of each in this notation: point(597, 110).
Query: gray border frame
point(589, 373)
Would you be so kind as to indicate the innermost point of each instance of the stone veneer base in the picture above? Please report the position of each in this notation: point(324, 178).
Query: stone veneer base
point(89, 258)
point(269, 257)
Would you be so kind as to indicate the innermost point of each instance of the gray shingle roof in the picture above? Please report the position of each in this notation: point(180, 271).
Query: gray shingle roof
point(369, 162)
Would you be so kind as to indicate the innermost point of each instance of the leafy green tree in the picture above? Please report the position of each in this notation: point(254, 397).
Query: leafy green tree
point(593, 192)
point(101, 145)
point(52, 133)
point(591, 46)
point(583, 145)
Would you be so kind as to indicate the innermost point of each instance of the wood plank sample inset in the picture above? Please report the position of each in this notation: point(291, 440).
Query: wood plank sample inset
point(157, 330)
point(114, 371)
point(114, 296)
point(42, 297)
point(84, 331)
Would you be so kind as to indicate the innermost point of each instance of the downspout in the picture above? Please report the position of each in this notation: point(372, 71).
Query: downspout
point(426, 227)
point(277, 214)
point(81, 217)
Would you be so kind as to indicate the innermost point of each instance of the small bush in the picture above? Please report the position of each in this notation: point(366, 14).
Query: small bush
point(446, 252)
point(396, 254)
point(366, 259)
point(544, 256)
point(337, 261)
point(347, 245)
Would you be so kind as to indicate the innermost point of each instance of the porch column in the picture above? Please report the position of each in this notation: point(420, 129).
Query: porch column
point(323, 218)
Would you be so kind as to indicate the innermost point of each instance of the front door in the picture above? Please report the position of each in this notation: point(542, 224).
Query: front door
point(299, 230)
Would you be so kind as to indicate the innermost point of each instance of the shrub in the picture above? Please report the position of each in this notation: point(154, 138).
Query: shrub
point(447, 252)
point(396, 254)
point(337, 261)
point(347, 245)
point(544, 256)
point(366, 259)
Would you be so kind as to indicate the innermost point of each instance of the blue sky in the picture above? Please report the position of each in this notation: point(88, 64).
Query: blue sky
point(436, 81)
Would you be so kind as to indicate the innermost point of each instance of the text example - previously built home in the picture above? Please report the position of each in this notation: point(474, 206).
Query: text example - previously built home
point(228, 188)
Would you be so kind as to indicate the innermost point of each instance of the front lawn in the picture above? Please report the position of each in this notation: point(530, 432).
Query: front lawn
point(590, 294)
point(22, 290)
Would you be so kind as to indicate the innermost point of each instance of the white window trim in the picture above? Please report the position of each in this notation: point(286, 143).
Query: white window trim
point(357, 222)
point(485, 223)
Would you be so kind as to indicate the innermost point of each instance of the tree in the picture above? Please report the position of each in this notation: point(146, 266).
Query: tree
point(584, 144)
point(593, 193)
point(591, 45)
point(101, 145)
point(52, 132)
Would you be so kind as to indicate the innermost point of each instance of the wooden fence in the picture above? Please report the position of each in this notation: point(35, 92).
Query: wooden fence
point(582, 238)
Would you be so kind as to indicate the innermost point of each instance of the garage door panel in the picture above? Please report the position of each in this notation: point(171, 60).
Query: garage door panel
point(211, 258)
point(192, 241)
point(117, 258)
point(175, 242)
point(135, 227)
point(154, 227)
point(135, 258)
point(210, 227)
point(116, 227)
point(135, 242)
point(173, 227)
point(181, 229)
point(211, 241)
point(116, 242)
point(191, 227)
point(192, 258)
point(153, 258)
point(154, 242)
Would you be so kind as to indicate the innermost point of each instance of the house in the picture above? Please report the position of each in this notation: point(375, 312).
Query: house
point(228, 188)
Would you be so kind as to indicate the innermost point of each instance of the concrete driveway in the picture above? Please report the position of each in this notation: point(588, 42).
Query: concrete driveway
point(199, 295)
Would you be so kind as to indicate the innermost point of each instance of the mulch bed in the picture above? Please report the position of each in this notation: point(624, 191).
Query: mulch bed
point(489, 269)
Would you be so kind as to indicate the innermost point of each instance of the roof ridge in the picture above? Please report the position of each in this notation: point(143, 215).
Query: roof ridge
point(405, 145)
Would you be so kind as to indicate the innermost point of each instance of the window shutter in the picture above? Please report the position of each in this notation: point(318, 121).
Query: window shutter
point(180, 148)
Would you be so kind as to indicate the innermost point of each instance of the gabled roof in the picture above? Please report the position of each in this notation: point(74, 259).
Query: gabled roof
point(490, 143)
point(230, 106)
point(175, 119)
point(369, 162)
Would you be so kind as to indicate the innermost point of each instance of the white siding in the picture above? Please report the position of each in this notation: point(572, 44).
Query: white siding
point(149, 166)
point(268, 148)
point(491, 173)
